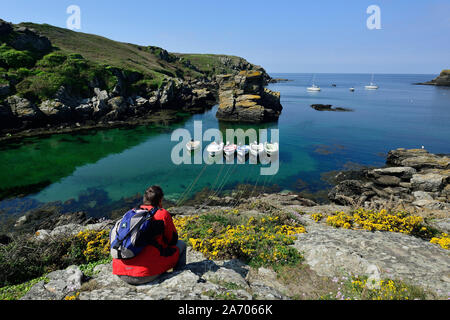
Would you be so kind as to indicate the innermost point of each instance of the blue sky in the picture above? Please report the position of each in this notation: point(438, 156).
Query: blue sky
point(282, 36)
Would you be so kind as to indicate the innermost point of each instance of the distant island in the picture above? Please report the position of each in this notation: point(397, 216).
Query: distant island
point(442, 80)
point(57, 80)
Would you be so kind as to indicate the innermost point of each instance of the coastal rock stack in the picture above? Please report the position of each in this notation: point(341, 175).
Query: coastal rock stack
point(414, 177)
point(243, 98)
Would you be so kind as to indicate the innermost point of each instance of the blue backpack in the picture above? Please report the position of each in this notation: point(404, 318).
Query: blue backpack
point(126, 231)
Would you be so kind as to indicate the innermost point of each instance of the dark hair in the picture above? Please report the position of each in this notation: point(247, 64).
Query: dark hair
point(153, 196)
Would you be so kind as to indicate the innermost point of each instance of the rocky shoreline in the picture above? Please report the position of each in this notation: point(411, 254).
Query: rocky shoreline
point(414, 178)
point(124, 97)
point(329, 254)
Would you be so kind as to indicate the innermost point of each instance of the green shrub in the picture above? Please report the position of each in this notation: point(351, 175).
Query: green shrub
point(15, 59)
point(52, 60)
point(25, 258)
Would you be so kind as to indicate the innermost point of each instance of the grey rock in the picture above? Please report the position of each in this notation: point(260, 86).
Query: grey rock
point(61, 283)
point(402, 172)
point(428, 182)
point(55, 110)
point(23, 108)
point(388, 181)
point(27, 39)
point(331, 252)
point(4, 90)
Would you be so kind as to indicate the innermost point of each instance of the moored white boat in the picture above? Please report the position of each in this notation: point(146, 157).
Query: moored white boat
point(372, 85)
point(313, 88)
point(256, 149)
point(214, 148)
point(271, 148)
point(193, 145)
point(352, 89)
point(243, 150)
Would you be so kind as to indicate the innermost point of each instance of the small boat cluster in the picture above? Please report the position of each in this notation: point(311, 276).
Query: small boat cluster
point(229, 150)
point(371, 86)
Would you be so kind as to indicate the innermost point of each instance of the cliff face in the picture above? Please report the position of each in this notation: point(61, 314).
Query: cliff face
point(243, 98)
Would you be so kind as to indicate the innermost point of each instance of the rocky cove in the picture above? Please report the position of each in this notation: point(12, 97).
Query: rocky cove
point(383, 234)
point(334, 258)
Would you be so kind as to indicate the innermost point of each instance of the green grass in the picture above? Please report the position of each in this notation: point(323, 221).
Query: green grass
point(16, 292)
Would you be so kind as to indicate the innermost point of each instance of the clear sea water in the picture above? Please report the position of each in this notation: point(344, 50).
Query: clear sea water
point(119, 163)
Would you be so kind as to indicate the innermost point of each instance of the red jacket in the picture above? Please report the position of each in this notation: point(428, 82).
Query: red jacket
point(152, 260)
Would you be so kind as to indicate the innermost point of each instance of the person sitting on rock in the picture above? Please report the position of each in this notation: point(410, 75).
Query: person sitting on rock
point(161, 253)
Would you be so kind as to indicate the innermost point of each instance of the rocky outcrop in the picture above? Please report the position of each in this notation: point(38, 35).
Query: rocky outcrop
point(413, 177)
point(379, 255)
point(243, 98)
point(442, 80)
point(18, 113)
point(329, 107)
point(328, 253)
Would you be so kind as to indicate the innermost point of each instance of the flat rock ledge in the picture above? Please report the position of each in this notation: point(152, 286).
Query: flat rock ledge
point(201, 279)
point(333, 252)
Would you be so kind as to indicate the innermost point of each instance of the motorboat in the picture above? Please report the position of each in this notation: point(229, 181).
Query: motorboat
point(243, 150)
point(372, 85)
point(229, 149)
point(193, 145)
point(214, 148)
point(352, 89)
point(271, 148)
point(256, 148)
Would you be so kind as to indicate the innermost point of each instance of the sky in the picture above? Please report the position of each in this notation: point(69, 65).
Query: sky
point(283, 36)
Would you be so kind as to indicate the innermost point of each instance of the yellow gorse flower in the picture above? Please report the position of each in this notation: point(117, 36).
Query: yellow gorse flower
point(255, 238)
point(443, 241)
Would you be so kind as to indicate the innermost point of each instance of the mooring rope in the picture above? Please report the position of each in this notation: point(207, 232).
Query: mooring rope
point(191, 186)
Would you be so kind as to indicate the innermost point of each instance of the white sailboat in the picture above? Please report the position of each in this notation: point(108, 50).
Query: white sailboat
point(372, 85)
point(313, 88)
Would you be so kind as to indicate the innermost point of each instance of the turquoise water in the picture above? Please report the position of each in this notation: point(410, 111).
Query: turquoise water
point(120, 163)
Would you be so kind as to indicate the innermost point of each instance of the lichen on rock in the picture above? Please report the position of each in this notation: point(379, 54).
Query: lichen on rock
point(243, 98)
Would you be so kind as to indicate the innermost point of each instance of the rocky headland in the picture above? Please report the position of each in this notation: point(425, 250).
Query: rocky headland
point(243, 98)
point(442, 80)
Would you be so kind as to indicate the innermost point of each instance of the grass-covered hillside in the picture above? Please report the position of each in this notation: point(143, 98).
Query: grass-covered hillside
point(37, 59)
